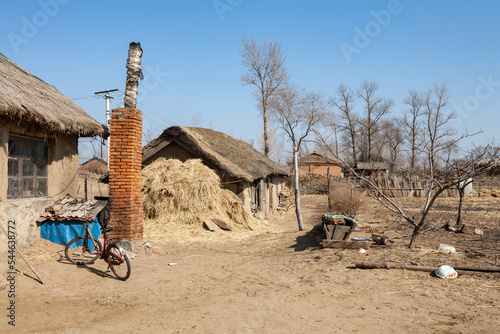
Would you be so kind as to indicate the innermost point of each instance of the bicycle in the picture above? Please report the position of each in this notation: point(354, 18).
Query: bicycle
point(86, 249)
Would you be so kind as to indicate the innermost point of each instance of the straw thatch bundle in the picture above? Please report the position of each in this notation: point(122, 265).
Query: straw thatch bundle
point(26, 99)
point(188, 193)
point(233, 157)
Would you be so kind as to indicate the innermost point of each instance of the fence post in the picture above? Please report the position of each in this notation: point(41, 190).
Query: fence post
point(86, 191)
point(328, 186)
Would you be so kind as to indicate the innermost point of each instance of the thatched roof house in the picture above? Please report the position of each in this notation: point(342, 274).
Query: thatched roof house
point(39, 131)
point(247, 172)
point(373, 167)
point(25, 99)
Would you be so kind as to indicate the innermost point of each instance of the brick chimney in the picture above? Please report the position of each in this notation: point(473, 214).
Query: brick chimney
point(125, 162)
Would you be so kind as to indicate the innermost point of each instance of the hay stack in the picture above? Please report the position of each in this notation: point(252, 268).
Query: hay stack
point(179, 194)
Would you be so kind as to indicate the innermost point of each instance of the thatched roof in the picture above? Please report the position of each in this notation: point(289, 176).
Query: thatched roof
point(27, 101)
point(317, 159)
point(234, 157)
point(374, 165)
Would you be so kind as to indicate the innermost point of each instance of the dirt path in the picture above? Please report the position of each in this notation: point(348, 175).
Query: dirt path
point(268, 283)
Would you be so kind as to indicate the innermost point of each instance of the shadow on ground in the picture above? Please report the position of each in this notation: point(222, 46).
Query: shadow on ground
point(307, 242)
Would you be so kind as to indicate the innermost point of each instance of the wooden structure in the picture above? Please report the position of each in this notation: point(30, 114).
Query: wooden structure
point(338, 229)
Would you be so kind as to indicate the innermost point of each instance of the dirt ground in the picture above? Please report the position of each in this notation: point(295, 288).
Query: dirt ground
point(277, 282)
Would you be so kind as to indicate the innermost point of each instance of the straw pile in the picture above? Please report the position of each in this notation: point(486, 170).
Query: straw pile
point(178, 197)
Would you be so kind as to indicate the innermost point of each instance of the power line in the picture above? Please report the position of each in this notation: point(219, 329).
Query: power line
point(165, 119)
point(152, 112)
point(84, 97)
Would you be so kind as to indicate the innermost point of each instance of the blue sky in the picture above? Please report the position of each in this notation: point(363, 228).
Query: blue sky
point(192, 64)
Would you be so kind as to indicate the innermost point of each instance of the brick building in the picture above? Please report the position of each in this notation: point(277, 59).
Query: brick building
point(95, 165)
point(316, 163)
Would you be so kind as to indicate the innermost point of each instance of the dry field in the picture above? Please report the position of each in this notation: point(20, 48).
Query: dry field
point(275, 282)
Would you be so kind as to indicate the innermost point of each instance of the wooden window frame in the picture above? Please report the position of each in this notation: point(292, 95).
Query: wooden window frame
point(27, 171)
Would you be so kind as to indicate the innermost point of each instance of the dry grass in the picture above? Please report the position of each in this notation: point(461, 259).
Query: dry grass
point(179, 196)
point(486, 192)
point(345, 198)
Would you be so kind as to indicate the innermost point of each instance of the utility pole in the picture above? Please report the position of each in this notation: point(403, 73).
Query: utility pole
point(108, 111)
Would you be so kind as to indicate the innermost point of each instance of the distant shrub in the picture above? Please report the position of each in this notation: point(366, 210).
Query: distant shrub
point(344, 198)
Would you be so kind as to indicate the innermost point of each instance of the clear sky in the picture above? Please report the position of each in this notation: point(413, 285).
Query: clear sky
point(192, 64)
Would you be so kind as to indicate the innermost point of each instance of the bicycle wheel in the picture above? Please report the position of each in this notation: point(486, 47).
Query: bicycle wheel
point(119, 262)
point(81, 250)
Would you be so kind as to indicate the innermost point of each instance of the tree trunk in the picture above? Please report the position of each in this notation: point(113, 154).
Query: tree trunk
point(297, 190)
point(329, 189)
point(416, 232)
point(267, 149)
point(461, 192)
point(354, 153)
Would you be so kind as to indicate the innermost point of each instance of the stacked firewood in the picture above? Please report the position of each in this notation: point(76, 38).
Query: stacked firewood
point(286, 200)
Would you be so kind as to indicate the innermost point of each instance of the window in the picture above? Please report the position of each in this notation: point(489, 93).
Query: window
point(27, 167)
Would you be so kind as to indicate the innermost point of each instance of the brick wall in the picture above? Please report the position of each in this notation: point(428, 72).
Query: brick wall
point(308, 169)
point(125, 174)
point(95, 166)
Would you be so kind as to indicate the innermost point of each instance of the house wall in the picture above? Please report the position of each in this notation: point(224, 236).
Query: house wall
point(63, 168)
point(62, 180)
point(4, 151)
point(24, 212)
point(308, 169)
point(277, 184)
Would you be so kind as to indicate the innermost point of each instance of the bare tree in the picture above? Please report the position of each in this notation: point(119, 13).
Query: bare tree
point(344, 102)
point(436, 149)
point(375, 108)
point(393, 139)
point(437, 130)
point(482, 158)
point(266, 72)
point(297, 112)
point(197, 120)
point(411, 122)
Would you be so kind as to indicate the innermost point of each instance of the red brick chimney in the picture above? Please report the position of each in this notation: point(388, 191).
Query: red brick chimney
point(125, 160)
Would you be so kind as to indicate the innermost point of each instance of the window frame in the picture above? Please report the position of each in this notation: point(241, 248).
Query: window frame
point(27, 167)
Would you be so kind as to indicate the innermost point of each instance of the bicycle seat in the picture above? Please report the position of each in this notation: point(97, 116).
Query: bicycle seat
point(106, 229)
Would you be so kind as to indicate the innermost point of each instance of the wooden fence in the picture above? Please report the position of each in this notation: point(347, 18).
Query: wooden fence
point(89, 185)
point(394, 185)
